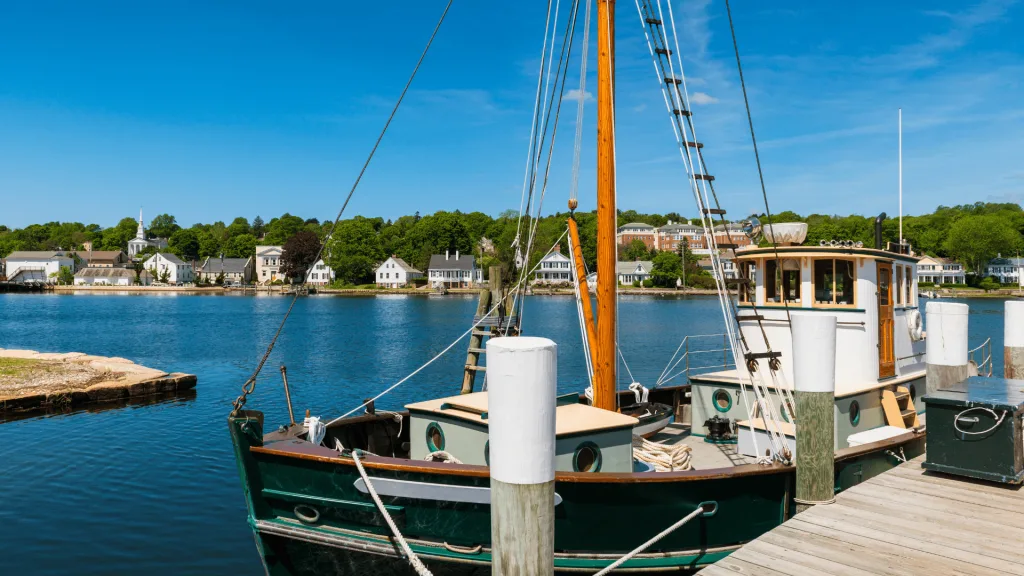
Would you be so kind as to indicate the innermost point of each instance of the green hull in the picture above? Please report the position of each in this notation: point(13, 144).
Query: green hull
point(596, 522)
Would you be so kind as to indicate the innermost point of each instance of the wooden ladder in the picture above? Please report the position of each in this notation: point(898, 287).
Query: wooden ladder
point(899, 408)
point(485, 328)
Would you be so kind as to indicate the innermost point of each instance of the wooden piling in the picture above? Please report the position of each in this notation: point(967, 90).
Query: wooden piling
point(475, 342)
point(814, 377)
point(1013, 340)
point(945, 345)
point(521, 429)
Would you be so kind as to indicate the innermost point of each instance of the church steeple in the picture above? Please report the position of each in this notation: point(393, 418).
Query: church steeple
point(141, 232)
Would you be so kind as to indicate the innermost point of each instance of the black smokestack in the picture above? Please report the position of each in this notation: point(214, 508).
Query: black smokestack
point(878, 231)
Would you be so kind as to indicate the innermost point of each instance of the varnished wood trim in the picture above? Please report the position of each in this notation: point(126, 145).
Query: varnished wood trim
point(879, 446)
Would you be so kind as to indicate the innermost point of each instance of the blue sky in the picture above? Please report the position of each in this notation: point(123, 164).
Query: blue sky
point(211, 110)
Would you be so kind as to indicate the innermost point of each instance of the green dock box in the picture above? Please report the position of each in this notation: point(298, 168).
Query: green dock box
point(974, 429)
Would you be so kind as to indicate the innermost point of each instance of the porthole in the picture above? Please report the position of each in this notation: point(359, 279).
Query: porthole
point(587, 458)
point(854, 413)
point(913, 393)
point(787, 411)
point(435, 437)
point(722, 400)
point(487, 452)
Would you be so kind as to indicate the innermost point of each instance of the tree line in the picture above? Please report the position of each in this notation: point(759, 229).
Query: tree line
point(972, 234)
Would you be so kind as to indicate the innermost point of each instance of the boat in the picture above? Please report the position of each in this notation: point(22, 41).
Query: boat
point(373, 491)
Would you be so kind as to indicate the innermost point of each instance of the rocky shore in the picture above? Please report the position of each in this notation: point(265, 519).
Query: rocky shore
point(31, 381)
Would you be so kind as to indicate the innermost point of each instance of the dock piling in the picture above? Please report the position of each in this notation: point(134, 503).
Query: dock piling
point(814, 383)
point(946, 344)
point(522, 373)
point(1013, 340)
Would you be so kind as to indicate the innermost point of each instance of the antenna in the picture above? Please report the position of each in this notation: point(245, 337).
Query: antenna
point(901, 176)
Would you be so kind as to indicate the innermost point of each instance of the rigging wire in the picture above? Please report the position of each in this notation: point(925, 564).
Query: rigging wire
point(251, 382)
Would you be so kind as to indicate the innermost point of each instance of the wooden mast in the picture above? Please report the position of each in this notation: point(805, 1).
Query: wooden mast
point(581, 281)
point(604, 368)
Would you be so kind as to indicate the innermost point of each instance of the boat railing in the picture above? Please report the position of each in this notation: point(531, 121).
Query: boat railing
point(984, 352)
point(698, 354)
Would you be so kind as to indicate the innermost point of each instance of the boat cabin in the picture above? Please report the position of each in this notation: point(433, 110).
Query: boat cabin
point(587, 439)
point(879, 342)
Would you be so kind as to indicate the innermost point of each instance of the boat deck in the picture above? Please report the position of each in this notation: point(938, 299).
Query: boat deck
point(905, 521)
point(704, 455)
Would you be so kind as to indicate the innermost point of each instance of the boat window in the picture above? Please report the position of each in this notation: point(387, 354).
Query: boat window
point(854, 413)
point(745, 271)
point(907, 289)
point(435, 437)
point(772, 281)
point(781, 281)
point(834, 282)
point(722, 400)
point(898, 295)
point(884, 288)
point(587, 458)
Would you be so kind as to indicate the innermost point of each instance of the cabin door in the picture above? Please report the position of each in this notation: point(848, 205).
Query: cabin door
point(886, 350)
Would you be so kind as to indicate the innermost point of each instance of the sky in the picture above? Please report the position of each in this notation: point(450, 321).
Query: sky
point(209, 110)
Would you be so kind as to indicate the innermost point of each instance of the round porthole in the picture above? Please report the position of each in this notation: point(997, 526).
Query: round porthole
point(722, 400)
point(435, 437)
point(487, 452)
point(854, 413)
point(587, 458)
point(913, 393)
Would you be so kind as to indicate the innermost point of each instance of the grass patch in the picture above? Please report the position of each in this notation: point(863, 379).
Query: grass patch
point(17, 366)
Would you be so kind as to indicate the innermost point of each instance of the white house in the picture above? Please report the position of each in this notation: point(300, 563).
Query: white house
point(37, 267)
point(108, 276)
point(728, 266)
point(140, 243)
point(178, 271)
point(553, 269)
point(1007, 270)
point(268, 264)
point(940, 271)
point(396, 273)
point(636, 271)
point(453, 270)
point(319, 274)
point(236, 270)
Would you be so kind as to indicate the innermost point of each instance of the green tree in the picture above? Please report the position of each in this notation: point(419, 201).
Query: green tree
point(238, 227)
point(117, 237)
point(355, 251)
point(667, 268)
point(65, 276)
point(185, 244)
point(241, 246)
point(219, 281)
point(636, 250)
point(258, 227)
point(974, 240)
point(279, 230)
point(163, 226)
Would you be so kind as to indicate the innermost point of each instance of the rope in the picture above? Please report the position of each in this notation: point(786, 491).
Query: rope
point(663, 457)
point(417, 564)
point(250, 384)
point(956, 421)
point(652, 541)
point(441, 456)
point(578, 144)
point(439, 354)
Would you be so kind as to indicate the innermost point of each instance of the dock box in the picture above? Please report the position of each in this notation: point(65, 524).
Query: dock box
point(974, 429)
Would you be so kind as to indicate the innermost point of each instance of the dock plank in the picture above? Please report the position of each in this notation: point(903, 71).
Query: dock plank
point(905, 521)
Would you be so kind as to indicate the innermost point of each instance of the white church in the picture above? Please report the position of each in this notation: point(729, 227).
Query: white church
point(140, 243)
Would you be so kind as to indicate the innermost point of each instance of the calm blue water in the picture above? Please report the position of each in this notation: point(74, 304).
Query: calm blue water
point(154, 488)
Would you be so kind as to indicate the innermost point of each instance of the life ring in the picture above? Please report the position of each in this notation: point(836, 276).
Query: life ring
point(914, 324)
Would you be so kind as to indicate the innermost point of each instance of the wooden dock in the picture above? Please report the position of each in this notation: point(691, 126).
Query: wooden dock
point(902, 522)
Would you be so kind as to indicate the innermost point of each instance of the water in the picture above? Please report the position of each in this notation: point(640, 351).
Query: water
point(153, 489)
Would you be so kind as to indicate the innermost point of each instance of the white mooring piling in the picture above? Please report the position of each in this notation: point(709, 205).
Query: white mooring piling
point(1013, 340)
point(946, 344)
point(521, 377)
point(814, 383)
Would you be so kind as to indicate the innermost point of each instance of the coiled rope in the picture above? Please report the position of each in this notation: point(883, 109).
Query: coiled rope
point(417, 564)
point(663, 457)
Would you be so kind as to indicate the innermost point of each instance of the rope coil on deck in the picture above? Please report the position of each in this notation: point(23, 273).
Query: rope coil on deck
point(663, 457)
point(417, 564)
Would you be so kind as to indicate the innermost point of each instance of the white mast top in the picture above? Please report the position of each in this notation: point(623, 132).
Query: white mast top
point(901, 176)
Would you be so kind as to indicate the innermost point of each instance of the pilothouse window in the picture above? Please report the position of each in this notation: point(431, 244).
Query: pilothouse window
point(834, 282)
point(781, 281)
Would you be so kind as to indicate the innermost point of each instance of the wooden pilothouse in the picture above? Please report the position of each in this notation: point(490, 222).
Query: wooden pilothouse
point(880, 343)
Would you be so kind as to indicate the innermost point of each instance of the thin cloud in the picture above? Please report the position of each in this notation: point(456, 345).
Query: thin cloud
point(701, 98)
point(574, 95)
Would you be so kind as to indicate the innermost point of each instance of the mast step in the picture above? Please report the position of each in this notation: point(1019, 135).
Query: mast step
point(675, 81)
point(711, 211)
point(477, 350)
point(663, 51)
point(695, 144)
point(654, 21)
point(707, 177)
point(753, 317)
point(728, 246)
point(760, 355)
point(679, 112)
point(481, 332)
point(476, 368)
